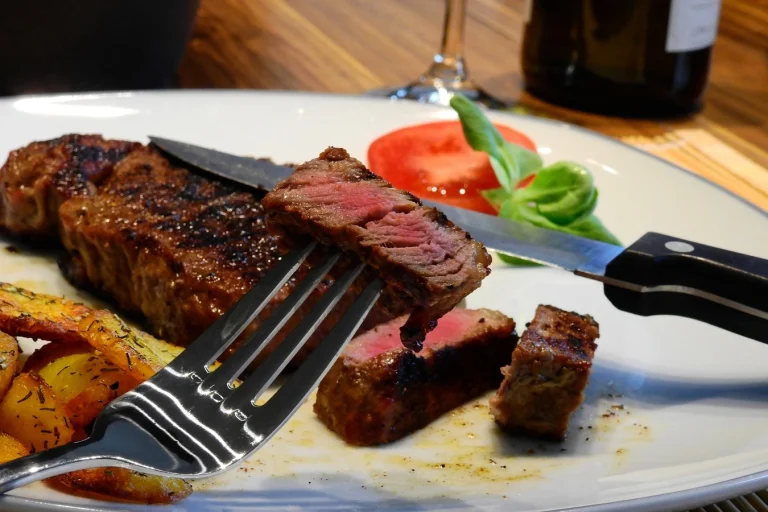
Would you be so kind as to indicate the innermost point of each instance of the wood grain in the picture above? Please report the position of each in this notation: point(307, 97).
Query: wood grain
point(350, 46)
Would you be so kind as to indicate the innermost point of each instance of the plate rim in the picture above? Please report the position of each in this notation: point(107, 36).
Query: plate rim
point(676, 500)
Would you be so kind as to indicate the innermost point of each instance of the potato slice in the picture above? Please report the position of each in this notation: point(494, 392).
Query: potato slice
point(49, 352)
point(86, 383)
point(31, 413)
point(11, 448)
point(133, 350)
point(9, 357)
point(24, 313)
point(127, 485)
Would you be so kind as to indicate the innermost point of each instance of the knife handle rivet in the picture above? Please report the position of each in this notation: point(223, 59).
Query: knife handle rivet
point(679, 246)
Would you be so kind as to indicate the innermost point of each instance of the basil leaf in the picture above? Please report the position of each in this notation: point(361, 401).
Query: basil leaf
point(588, 226)
point(591, 227)
point(514, 260)
point(527, 162)
point(510, 162)
point(563, 192)
point(496, 196)
point(561, 196)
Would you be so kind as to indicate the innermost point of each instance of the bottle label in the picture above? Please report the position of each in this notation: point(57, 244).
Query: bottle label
point(692, 25)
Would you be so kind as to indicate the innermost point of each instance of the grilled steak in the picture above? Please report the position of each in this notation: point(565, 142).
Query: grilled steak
point(378, 391)
point(37, 178)
point(428, 263)
point(549, 372)
point(164, 242)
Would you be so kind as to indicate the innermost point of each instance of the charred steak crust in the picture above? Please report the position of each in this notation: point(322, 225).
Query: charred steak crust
point(372, 397)
point(428, 264)
point(549, 372)
point(172, 245)
point(37, 178)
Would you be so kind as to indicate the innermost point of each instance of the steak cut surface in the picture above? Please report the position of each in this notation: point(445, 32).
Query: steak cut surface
point(549, 372)
point(378, 391)
point(427, 263)
point(165, 242)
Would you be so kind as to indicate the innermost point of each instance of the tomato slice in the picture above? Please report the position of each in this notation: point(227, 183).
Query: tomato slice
point(434, 161)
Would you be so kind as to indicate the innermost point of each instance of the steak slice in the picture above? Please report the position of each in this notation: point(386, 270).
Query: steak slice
point(428, 264)
point(549, 372)
point(378, 391)
point(164, 242)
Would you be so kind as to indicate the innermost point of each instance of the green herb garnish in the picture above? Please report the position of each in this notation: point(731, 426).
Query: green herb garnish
point(561, 196)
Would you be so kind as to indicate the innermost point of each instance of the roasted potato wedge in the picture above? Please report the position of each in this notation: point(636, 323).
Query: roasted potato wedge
point(11, 448)
point(49, 352)
point(9, 358)
point(127, 485)
point(85, 383)
point(31, 413)
point(24, 313)
point(133, 350)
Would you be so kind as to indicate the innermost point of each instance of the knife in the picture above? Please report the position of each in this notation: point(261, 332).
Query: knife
point(656, 275)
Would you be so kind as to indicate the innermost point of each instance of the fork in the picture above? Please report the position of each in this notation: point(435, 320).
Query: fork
point(192, 421)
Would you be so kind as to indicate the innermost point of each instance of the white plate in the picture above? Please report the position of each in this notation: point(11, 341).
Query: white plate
point(695, 398)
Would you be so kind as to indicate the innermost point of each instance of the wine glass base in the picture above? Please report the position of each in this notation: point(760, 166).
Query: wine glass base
point(434, 95)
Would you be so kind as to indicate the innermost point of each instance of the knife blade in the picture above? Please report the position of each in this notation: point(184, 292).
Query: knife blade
point(656, 275)
point(251, 172)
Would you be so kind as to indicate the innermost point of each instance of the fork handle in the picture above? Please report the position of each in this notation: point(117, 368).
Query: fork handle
point(61, 459)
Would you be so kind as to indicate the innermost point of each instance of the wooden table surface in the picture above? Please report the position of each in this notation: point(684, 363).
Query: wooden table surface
point(350, 46)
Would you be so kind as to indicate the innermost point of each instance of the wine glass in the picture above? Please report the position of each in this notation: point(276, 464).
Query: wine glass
point(448, 73)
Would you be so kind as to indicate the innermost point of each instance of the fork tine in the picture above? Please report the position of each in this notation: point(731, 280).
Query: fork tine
point(243, 355)
point(266, 373)
point(209, 345)
point(292, 394)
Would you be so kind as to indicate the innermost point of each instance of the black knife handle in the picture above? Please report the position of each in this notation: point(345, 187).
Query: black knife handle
point(662, 275)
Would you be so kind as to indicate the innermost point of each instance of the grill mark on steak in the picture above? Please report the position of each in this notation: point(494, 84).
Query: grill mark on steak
point(549, 372)
point(427, 263)
point(162, 241)
point(378, 391)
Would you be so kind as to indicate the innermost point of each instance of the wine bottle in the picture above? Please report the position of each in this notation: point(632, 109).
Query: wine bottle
point(646, 58)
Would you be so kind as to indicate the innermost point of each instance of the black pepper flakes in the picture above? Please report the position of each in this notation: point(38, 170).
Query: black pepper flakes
point(128, 357)
point(40, 394)
point(26, 397)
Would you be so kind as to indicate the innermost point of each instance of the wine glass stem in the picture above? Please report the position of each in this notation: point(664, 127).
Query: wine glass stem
point(448, 65)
